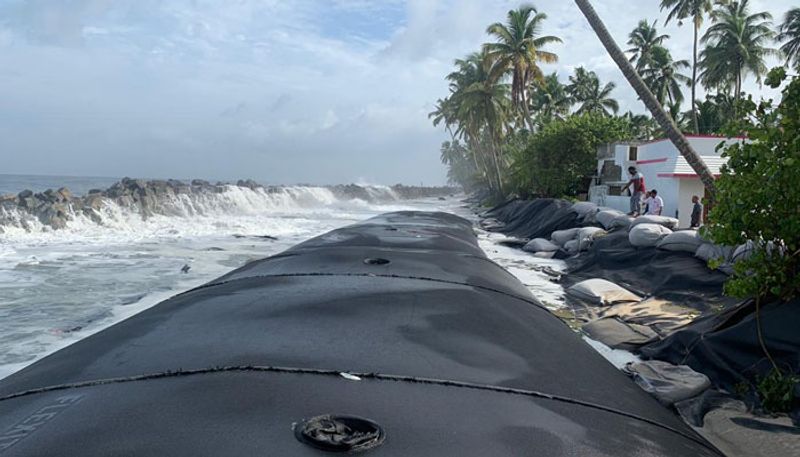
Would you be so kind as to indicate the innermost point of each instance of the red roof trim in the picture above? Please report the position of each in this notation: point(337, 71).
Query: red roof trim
point(696, 136)
point(645, 162)
point(681, 175)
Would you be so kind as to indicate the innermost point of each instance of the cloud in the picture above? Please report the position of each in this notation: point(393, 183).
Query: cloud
point(301, 91)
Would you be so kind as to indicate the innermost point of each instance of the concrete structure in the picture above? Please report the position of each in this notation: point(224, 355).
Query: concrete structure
point(663, 169)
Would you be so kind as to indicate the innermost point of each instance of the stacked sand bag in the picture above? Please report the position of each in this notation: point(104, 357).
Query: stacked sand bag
point(621, 222)
point(681, 241)
point(647, 235)
point(606, 217)
point(540, 245)
point(664, 221)
point(600, 292)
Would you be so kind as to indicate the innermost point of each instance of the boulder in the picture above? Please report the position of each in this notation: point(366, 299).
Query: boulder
point(27, 193)
point(601, 292)
point(682, 240)
point(647, 235)
point(540, 245)
point(668, 222)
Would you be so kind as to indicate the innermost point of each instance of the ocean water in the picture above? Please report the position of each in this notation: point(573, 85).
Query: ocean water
point(59, 286)
point(78, 185)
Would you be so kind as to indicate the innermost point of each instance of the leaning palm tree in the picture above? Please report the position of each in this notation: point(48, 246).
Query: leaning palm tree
point(586, 90)
point(643, 40)
point(696, 10)
point(518, 49)
point(790, 35)
point(663, 119)
point(736, 45)
point(663, 76)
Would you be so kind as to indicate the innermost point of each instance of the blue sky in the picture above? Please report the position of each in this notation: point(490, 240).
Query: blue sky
point(280, 91)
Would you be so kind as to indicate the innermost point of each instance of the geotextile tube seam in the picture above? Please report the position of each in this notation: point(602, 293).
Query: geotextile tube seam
point(374, 376)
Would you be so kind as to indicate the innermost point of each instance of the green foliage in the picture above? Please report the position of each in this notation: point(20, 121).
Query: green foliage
point(461, 168)
point(776, 391)
point(758, 197)
point(557, 160)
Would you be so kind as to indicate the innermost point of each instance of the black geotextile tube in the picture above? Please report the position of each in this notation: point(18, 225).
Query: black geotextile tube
point(534, 218)
point(725, 346)
point(396, 336)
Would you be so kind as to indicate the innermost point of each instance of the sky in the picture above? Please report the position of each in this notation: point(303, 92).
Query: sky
point(283, 92)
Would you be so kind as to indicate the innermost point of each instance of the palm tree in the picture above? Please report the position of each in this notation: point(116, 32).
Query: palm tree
point(643, 127)
point(585, 89)
point(481, 106)
point(681, 10)
point(643, 40)
point(518, 49)
point(549, 99)
point(736, 45)
point(663, 119)
point(790, 33)
point(663, 76)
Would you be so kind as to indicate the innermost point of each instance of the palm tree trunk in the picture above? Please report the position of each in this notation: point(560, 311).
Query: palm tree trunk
point(663, 119)
point(496, 156)
point(526, 111)
point(695, 123)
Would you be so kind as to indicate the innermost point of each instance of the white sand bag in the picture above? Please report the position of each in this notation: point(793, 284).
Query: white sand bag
point(682, 241)
point(647, 235)
point(586, 236)
point(743, 251)
point(584, 209)
point(540, 245)
point(667, 382)
point(711, 251)
point(606, 217)
point(601, 292)
point(544, 255)
point(668, 222)
point(571, 246)
point(622, 222)
point(560, 237)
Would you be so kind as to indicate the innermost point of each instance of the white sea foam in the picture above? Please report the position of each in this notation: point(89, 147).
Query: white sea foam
point(58, 286)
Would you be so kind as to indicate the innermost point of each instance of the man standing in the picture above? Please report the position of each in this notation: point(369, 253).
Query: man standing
point(655, 204)
point(697, 212)
point(636, 184)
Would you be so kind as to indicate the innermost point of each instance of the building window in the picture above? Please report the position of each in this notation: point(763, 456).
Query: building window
point(633, 154)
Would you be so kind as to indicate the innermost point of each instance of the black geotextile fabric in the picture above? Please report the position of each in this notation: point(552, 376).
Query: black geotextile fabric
point(725, 346)
point(675, 276)
point(534, 218)
point(452, 358)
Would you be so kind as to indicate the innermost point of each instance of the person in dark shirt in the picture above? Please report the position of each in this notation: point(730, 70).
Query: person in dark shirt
point(697, 212)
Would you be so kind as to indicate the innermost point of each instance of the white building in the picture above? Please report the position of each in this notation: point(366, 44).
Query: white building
point(663, 168)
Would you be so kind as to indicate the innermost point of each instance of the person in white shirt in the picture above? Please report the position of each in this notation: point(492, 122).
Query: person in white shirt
point(655, 204)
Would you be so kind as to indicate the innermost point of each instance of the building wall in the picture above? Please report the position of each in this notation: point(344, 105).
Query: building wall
point(653, 158)
point(688, 187)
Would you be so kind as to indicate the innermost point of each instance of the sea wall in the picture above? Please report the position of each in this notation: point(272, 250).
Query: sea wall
point(54, 209)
